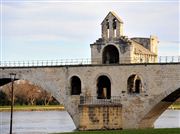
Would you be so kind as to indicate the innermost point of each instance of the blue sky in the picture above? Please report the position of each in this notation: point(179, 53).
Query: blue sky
point(32, 30)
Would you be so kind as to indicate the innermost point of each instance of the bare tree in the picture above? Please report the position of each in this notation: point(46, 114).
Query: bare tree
point(26, 93)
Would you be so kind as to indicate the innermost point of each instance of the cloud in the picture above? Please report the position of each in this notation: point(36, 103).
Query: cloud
point(49, 19)
point(68, 24)
point(169, 48)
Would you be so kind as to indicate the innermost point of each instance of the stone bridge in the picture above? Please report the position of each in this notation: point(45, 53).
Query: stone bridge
point(143, 91)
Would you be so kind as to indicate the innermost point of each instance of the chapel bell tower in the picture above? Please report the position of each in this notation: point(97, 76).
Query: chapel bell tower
point(115, 48)
point(112, 26)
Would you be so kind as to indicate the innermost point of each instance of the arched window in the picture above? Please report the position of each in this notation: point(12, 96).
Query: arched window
point(107, 23)
point(103, 87)
point(114, 23)
point(75, 86)
point(107, 27)
point(134, 84)
point(110, 55)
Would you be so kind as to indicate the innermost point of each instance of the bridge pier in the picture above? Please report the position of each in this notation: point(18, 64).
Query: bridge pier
point(99, 114)
point(99, 117)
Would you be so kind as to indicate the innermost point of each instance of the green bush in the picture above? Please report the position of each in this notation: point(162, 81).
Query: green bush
point(4, 99)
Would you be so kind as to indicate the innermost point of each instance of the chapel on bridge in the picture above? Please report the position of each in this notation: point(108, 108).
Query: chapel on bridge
point(114, 47)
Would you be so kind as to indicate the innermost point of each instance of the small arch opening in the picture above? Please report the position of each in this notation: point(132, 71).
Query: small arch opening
point(107, 23)
point(75, 85)
point(114, 23)
point(114, 27)
point(134, 84)
point(110, 55)
point(103, 87)
point(107, 27)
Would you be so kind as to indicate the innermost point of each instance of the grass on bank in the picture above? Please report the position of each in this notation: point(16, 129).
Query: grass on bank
point(50, 107)
point(133, 131)
point(175, 106)
point(32, 108)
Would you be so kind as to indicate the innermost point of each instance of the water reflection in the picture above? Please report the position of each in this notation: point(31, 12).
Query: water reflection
point(169, 119)
point(43, 122)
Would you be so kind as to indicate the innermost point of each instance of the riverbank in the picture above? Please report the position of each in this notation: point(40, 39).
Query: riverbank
point(133, 131)
point(32, 108)
point(175, 106)
point(51, 107)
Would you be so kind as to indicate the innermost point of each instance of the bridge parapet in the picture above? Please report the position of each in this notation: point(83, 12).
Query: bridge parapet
point(63, 62)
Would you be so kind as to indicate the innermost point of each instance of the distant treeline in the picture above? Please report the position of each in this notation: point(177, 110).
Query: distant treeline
point(26, 94)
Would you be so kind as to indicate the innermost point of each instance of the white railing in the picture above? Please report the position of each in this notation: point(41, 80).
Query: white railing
point(32, 63)
point(168, 59)
point(63, 62)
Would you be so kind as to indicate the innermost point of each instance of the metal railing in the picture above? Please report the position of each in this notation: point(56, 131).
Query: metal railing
point(62, 62)
point(168, 59)
point(93, 100)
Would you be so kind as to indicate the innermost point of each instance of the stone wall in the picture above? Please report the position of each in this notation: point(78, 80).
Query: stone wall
point(143, 41)
point(125, 51)
point(94, 117)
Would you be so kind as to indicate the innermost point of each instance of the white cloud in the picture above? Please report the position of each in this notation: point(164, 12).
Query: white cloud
point(79, 23)
point(34, 20)
point(169, 48)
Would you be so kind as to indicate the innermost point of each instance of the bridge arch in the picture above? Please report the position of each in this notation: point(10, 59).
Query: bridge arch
point(134, 84)
point(42, 89)
point(75, 85)
point(103, 87)
point(52, 81)
point(110, 55)
point(153, 114)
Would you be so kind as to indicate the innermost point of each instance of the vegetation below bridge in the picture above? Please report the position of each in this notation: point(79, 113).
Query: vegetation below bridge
point(32, 108)
point(26, 93)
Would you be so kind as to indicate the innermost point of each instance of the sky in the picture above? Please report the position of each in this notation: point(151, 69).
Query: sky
point(50, 30)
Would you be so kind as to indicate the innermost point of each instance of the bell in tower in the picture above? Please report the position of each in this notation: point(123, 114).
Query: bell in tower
point(112, 26)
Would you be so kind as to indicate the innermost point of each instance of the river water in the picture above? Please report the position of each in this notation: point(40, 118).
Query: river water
point(43, 122)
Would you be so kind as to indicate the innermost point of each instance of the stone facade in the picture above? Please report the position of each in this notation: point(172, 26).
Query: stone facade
point(124, 49)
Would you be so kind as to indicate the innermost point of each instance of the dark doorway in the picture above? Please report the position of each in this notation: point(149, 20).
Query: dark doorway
point(75, 86)
point(138, 86)
point(110, 55)
point(134, 84)
point(104, 88)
